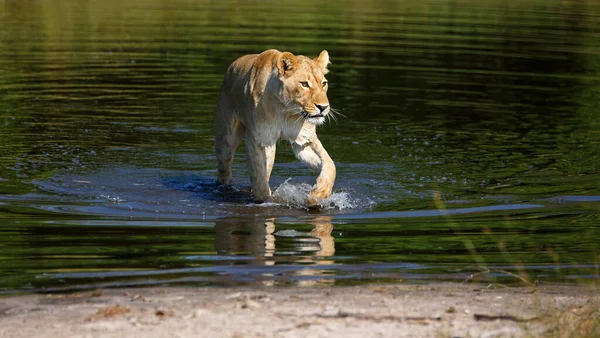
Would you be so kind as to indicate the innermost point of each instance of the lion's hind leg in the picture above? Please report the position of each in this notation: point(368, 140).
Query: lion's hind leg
point(229, 135)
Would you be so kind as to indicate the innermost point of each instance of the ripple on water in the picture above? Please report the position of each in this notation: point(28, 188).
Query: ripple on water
point(296, 196)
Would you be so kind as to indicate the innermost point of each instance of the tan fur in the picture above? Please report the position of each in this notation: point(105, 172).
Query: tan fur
point(267, 97)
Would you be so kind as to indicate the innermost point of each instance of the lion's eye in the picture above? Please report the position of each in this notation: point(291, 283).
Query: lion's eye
point(304, 84)
point(324, 84)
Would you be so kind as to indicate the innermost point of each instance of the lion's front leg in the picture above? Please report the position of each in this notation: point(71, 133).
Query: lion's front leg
point(260, 163)
point(307, 156)
point(326, 177)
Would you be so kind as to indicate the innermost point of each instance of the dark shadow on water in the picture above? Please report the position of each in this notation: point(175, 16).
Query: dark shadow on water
point(206, 188)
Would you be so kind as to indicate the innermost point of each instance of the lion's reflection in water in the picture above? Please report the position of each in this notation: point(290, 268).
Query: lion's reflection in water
point(268, 244)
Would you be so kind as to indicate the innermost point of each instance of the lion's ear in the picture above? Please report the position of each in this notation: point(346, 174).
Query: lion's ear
point(323, 60)
point(286, 63)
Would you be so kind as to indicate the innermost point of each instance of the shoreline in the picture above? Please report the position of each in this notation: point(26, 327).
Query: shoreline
point(401, 310)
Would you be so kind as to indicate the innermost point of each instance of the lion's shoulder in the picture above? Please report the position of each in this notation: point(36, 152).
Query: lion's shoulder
point(252, 68)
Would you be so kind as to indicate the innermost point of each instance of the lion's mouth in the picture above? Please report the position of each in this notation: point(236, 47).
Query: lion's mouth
point(307, 115)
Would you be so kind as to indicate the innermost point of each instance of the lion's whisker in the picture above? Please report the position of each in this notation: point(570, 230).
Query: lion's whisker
point(333, 115)
point(337, 112)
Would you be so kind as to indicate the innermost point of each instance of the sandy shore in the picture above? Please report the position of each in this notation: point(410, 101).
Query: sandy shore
point(444, 310)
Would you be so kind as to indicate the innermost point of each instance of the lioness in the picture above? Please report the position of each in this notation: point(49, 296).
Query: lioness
point(267, 97)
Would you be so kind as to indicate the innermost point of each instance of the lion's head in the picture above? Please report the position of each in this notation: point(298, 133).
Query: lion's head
point(304, 87)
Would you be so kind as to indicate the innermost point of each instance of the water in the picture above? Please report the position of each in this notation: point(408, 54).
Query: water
point(469, 149)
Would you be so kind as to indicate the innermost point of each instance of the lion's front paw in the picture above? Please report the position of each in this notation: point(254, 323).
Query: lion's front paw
point(224, 178)
point(312, 202)
point(262, 195)
point(316, 196)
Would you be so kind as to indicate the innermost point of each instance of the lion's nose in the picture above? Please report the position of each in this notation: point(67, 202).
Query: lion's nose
point(321, 107)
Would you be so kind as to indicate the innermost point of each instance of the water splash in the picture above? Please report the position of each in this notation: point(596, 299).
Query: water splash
point(296, 196)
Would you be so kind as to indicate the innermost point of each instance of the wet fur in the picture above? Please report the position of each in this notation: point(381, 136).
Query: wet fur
point(265, 98)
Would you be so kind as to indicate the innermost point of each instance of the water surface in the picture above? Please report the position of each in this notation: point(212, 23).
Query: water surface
point(469, 149)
